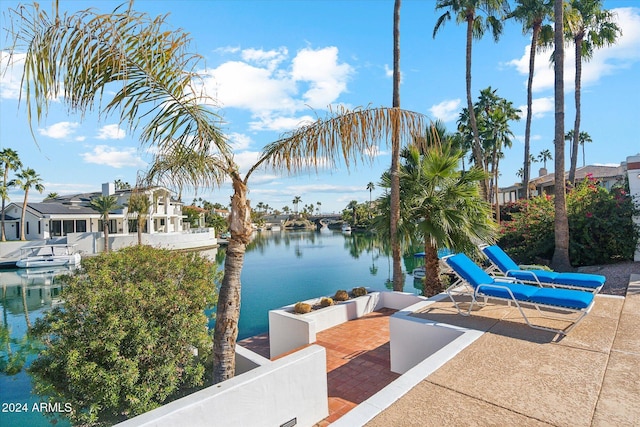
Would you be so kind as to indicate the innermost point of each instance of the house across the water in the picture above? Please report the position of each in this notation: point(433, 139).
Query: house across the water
point(71, 218)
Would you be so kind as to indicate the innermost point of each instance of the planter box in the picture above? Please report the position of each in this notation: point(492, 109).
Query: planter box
point(289, 331)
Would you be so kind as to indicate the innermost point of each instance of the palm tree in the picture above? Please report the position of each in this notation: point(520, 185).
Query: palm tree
point(396, 255)
point(468, 11)
point(295, 201)
point(104, 205)
point(560, 259)
point(52, 195)
point(353, 205)
point(584, 137)
point(532, 14)
point(544, 156)
point(440, 204)
point(9, 158)
point(370, 187)
point(139, 204)
point(589, 27)
point(27, 179)
point(157, 98)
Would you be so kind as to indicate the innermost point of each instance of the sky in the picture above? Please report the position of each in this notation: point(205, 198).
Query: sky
point(274, 65)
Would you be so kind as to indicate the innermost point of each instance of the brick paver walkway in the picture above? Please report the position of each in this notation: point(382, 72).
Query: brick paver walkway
point(357, 360)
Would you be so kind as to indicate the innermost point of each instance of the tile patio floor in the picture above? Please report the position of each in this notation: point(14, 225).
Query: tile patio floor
point(357, 360)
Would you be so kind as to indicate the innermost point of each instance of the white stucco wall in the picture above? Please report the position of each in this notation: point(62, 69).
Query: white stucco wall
point(633, 172)
point(291, 388)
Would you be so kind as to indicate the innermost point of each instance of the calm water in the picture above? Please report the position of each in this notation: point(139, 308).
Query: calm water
point(280, 268)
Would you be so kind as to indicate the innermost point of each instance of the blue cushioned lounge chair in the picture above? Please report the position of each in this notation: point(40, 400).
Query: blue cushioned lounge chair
point(503, 263)
point(549, 302)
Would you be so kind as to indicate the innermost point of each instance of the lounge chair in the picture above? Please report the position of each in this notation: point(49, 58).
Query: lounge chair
point(549, 302)
point(503, 263)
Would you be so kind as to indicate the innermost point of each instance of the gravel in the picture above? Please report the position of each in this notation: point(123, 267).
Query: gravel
point(617, 275)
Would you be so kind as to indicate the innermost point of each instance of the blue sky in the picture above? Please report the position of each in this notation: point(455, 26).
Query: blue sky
point(274, 64)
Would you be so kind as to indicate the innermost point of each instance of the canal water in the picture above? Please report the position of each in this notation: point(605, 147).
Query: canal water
point(280, 268)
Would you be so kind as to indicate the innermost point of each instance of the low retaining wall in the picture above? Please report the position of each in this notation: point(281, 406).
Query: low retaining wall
point(289, 390)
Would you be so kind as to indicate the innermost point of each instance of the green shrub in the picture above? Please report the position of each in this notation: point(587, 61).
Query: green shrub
point(341, 295)
point(302, 308)
point(601, 228)
point(358, 292)
point(326, 302)
point(124, 342)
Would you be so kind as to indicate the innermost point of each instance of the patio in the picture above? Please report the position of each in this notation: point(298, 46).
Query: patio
point(511, 375)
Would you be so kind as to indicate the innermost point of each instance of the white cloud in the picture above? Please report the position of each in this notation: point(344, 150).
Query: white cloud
point(239, 141)
point(326, 77)
point(279, 123)
point(605, 61)
point(59, 130)
point(539, 106)
point(116, 158)
point(111, 132)
point(273, 88)
point(10, 74)
point(446, 110)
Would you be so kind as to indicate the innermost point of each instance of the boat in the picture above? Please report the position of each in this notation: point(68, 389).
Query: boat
point(48, 256)
point(346, 228)
point(420, 272)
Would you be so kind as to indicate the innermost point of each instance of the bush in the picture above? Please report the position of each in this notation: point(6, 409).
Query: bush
point(302, 308)
point(326, 302)
point(358, 292)
point(125, 341)
point(341, 295)
point(601, 228)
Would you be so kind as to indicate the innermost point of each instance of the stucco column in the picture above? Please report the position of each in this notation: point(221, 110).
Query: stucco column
point(633, 171)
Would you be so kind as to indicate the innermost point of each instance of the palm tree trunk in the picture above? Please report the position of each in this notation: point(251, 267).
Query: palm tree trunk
point(398, 277)
point(527, 128)
point(139, 230)
point(6, 177)
point(560, 260)
point(228, 310)
point(476, 148)
point(432, 283)
point(576, 125)
point(24, 214)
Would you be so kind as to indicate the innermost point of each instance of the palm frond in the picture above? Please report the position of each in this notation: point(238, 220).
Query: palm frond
point(86, 56)
point(350, 135)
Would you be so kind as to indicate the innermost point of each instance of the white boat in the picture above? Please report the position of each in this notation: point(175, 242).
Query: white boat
point(419, 272)
point(48, 256)
point(346, 228)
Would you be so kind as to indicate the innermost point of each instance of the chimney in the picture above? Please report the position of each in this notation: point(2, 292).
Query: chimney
point(542, 172)
point(108, 189)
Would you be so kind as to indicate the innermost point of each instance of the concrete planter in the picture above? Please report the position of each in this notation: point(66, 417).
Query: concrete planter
point(289, 331)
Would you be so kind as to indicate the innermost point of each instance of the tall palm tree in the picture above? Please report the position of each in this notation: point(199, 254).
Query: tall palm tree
point(396, 255)
point(353, 205)
point(139, 204)
point(9, 158)
point(104, 205)
point(469, 12)
point(370, 186)
point(589, 27)
point(295, 201)
point(532, 14)
point(25, 180)
point(582, 138)
point(560, 259)
point(158, 100)
point(544, 156)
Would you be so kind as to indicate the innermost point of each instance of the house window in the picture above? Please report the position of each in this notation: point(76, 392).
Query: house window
point(67, 226)
point(56, 228)
point(113, 225)
point(81, 226)
point(39, 228)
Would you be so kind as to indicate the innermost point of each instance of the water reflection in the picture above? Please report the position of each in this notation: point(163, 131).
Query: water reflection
point(25, 295)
